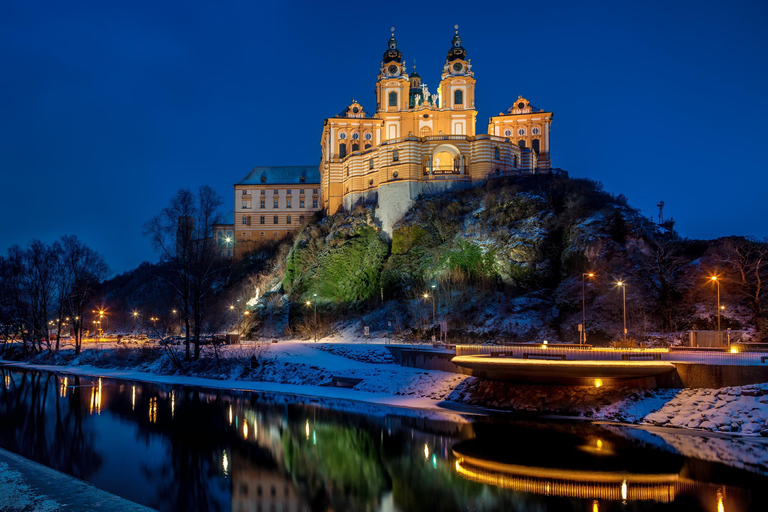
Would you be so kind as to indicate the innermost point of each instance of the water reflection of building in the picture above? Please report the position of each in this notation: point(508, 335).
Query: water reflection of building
point(256, 489)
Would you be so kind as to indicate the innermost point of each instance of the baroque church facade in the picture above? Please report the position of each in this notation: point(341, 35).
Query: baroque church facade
point(418, 142)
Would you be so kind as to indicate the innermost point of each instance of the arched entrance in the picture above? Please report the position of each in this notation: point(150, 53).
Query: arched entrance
point(446, 159)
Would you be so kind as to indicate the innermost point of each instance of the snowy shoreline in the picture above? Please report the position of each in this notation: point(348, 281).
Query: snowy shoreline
point(306, 370)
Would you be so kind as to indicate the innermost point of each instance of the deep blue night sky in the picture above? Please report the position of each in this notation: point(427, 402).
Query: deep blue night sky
point(107, 109)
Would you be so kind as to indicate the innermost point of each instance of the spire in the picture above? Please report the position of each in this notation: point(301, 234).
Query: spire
point(456, 51)
point(392, 53)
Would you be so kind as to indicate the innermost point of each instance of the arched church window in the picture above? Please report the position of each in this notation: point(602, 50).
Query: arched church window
point(458, 97)
point(342, 150)
point(370, 163)
point(367, 146)
point(395, 156)
point(514, 161)
point(425, 131)
point(496, 153)
point(521, 143)
point(535, 145)
point(393, 99)
point(355, 146)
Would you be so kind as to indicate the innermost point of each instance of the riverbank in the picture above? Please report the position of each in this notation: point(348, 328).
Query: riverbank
point(28, 486)
point(310, 370)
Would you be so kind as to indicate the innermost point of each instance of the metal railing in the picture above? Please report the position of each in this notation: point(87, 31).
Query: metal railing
point(580, 353)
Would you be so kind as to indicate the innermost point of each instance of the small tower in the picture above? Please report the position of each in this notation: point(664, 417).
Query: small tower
point(457, 86)
point(392, 86)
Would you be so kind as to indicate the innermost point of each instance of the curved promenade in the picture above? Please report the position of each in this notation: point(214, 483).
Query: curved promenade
point(560, 370)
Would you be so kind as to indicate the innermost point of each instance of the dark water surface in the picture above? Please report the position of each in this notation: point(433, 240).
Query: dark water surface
point(180, 448)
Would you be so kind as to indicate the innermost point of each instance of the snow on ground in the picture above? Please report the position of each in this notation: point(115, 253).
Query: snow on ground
point(741, 409)
point(26, 486)
point(296, 368)
point(17, 495)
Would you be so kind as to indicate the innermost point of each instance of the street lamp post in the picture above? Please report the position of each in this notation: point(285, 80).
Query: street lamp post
point(433, 307)
point(623, 286)
point(584, 275)
point(717, 282)
point(314, 296)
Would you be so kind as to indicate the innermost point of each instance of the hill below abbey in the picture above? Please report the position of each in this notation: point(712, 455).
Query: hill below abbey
point(505, 262)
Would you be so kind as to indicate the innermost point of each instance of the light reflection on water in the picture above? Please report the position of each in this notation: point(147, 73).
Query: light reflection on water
point(177, 448)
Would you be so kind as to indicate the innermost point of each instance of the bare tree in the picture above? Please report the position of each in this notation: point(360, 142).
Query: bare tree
point(747, 259)
point(182, 234)
point(81, 270)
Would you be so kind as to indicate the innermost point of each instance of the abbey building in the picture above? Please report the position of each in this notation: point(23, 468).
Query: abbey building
point(419, 141)
point(416, 142)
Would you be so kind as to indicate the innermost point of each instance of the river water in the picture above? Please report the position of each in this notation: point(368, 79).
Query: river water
point(181, 448)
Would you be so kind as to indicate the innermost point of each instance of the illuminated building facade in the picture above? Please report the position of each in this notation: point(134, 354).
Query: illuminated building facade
point(420, 142)
point(273, 202)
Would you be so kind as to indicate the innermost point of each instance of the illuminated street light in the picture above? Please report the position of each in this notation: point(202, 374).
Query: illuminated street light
point(623, 287)
point(314, 296)
point(716, 279)
point(583, 334)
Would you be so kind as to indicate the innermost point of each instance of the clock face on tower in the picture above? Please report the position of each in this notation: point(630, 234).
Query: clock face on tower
point(457, 67)
point(392, 69)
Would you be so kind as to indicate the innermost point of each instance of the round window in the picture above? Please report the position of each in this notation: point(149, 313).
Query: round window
point(426, 116)
point(368, 136)
point(342, 135)
point(521, 105)
point(355, 136)
point(370, 182)
point(521, 131)
point(507, 133)
point(395, 174)
point(535, 131)
point(355, 110)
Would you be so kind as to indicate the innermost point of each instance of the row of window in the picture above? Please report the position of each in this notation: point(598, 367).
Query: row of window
point(275, 204)
point(246, 221)
point(276, 191)
point(355, 147)
point(356, 136)
point(521, 131)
